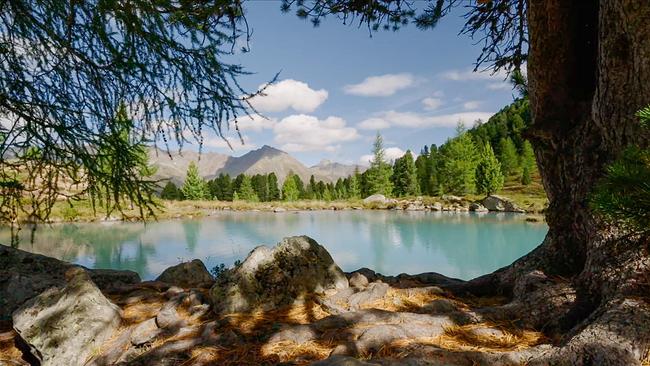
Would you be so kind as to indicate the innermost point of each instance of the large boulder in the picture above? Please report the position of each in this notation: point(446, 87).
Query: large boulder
point(273, 277)
point(66, 325)
point(375, 198)
point(501, 204)
point(187, 274)
point(24, 275)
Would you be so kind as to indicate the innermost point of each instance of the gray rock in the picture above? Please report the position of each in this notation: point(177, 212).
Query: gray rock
point(112, 278)
point(64, 326)
point(270, 278)
point(452, 199)
point(437, 206)
point(299, 334)
point(168, 318)
point(24, 275)
point(374, 291)
point(358, 280)
point(501, 204)
point(477, 207)
point(375, 198)
point(416, 206)
point(145, 332)
point(279, 209)
point(187, 274)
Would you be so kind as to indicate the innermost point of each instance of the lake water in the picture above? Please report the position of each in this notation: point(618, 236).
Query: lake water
point(462, 245)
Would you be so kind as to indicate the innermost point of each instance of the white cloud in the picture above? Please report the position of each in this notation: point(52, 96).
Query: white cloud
point(469, 74)
point(391, 154)
point(431, 104)
point(471, 105)
point(307, 133)
point(499, 86)
point(235, 143)
point(380, 86)
point(417, 120)
point(373, 124)
point(287, 94)
point(255, 122)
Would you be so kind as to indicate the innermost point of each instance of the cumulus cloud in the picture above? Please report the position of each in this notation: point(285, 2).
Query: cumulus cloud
point(380, 86)
point(307, 133)
point(469, 74)
point(499, 86)
point(471, 105)
point(431, 104)
point(417, 120)
point(373, 124)
point(235, 143)
point(391, 154)
point(287, 94)
point(255, 122)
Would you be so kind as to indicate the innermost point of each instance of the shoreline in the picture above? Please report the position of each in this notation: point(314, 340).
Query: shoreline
point(530, 206)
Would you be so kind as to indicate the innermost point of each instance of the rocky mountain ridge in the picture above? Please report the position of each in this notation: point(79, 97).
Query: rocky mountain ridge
point(173, 165)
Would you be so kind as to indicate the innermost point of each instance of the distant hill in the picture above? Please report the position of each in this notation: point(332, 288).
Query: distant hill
point(264, 160)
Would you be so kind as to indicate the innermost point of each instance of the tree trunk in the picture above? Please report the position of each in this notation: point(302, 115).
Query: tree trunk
point(589, 75)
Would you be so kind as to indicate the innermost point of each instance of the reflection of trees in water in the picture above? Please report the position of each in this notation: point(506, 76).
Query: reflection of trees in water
point(105, 244)
point(191, 230)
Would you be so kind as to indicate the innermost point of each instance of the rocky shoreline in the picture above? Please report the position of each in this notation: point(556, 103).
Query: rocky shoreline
point(290, 305)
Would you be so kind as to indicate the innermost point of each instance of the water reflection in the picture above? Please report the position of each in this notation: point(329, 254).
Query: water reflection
point(459, 245)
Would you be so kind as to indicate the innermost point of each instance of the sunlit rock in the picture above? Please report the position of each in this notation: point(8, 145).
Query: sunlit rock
point(272, 277)
point(65, 325)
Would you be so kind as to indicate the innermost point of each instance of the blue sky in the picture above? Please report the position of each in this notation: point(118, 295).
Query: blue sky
point(338, 86)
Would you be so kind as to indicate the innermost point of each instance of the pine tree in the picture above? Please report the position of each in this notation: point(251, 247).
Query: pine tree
point(528, 163)
point(246, 191)
point(171, 192)
point(261, 187)
point(489, 178)
point(354, 188)
point(379, 173)
point(194, 187)
point(274, 190)
point(508, 157)
point(404, 178)
point(300, 186)
point(458, 164)
point(290, 190)
point(312, 188)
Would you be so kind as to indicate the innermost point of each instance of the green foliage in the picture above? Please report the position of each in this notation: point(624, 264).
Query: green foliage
point(221, 188)
point(119, 155)
point(623, 195)
point(405, 179)
point(489, 178)
point(69, 213)
point(171, 192)
point(245, 192)
point(458, 162)
point(354, 184)
point(508, 158)
point(194, 187)
point(378, 175)
point(261, 186)
point(528, 163)
point(274, 190)
point(68, 67)
point(290, 190)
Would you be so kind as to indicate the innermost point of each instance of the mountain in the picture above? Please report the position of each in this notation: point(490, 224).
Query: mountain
point(173, 165)
point(264, 160)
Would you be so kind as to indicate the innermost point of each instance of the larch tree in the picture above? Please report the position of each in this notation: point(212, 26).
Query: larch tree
point(489, 178)
point(290, 190)
point(194, 187)
point(379, 173)
point(405, 179)
point(588, 74)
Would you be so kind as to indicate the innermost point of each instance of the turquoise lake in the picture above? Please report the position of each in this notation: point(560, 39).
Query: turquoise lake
point(462, 245)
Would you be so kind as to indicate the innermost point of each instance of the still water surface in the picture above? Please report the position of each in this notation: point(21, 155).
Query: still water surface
point(462, 245)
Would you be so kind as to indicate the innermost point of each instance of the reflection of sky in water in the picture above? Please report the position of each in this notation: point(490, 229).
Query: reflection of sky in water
point(457, 245)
